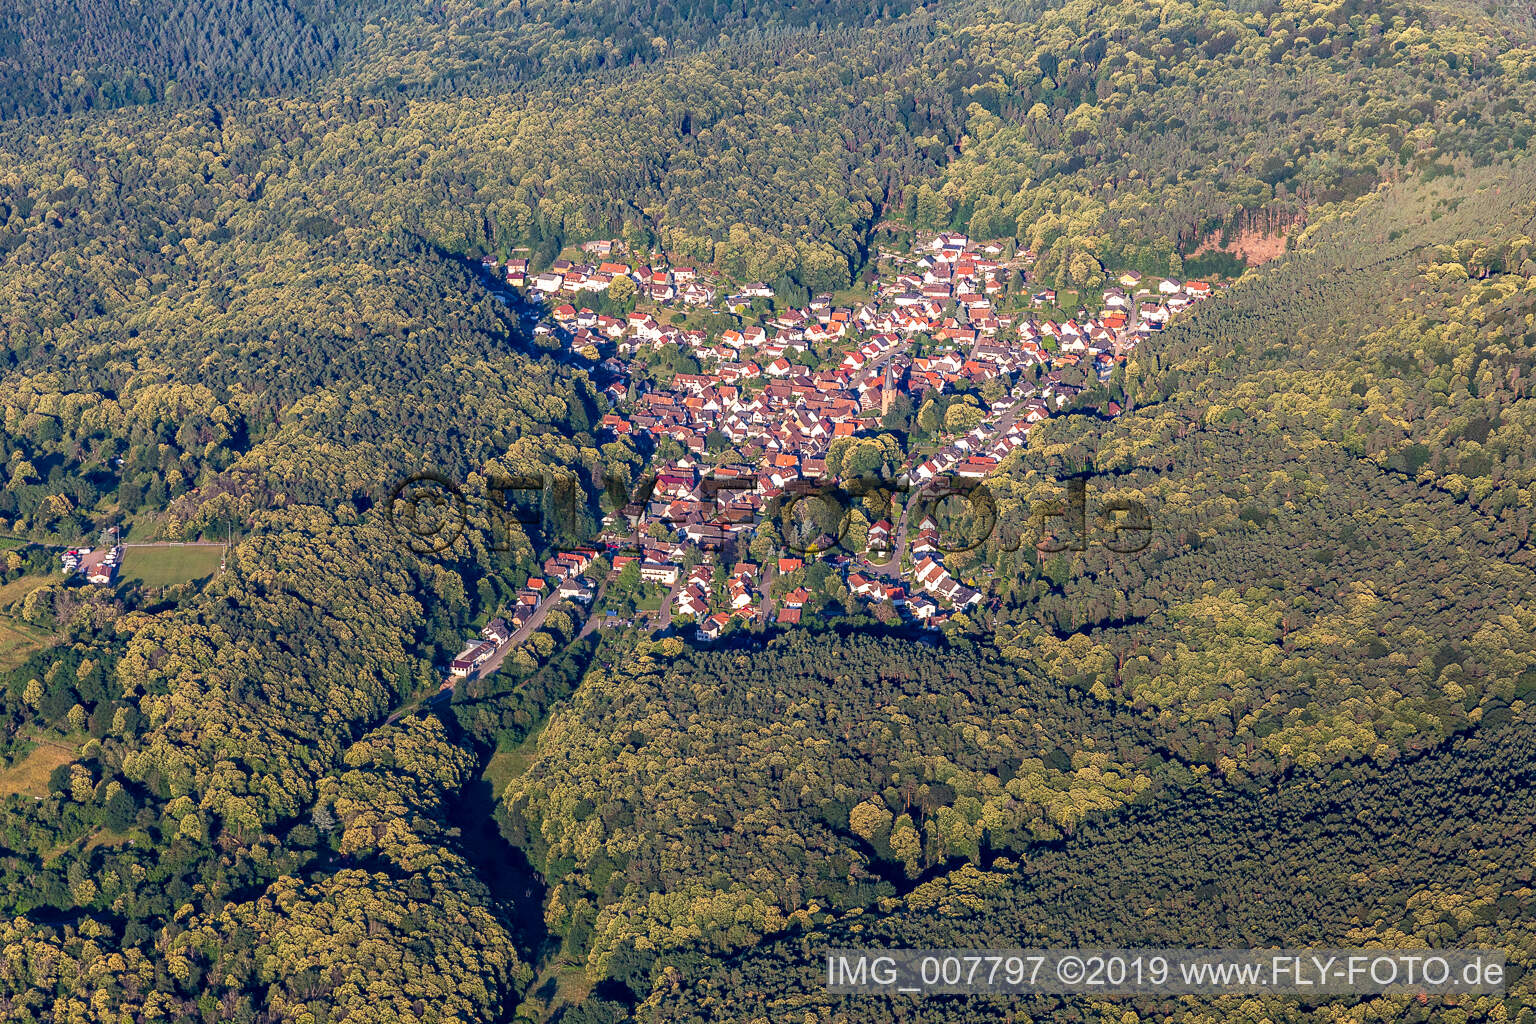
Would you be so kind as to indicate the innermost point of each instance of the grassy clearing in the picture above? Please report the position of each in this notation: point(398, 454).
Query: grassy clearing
point(8, 543)
point(11, 593)
point(106, 837)
point(574, 987)
point(850, 296)
point(167, 566)
point(18, 642)
point(650, 597)
point(559, 985)
point(29, 776)
point(511, 761)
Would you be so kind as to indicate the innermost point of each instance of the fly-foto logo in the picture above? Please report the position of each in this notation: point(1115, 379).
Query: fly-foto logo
point(431, 512)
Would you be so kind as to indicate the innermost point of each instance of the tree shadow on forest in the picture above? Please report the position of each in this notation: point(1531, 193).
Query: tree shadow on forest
point(514, 884)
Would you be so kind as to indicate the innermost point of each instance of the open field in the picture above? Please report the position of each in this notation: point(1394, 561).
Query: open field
point(11, 593)
point(510, 761)
point(559, 985)
point(105, 837)
point(29, 776)
point(7, 543)
point(18, 641)
point(166, 566)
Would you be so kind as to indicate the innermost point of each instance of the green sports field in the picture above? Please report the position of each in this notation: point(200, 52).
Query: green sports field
point(166, 566)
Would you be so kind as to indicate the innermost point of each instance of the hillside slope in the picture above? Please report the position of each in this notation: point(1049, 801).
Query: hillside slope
point(238, 297)
point(1312, 614)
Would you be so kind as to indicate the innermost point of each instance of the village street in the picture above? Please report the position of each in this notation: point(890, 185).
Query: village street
point(523, 632)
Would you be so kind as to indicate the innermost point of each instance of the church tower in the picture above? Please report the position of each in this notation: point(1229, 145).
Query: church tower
point(887, 389)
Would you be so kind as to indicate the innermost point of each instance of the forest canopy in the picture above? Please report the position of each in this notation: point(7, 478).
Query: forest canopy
point(241, 298)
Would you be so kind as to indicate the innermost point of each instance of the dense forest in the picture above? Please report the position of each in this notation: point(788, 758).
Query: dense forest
point(101, 54)
point(1209, 865)
point(239, 300)
point(1314, 613)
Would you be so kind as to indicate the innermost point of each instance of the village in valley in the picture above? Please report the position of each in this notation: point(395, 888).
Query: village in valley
point(933, 372)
